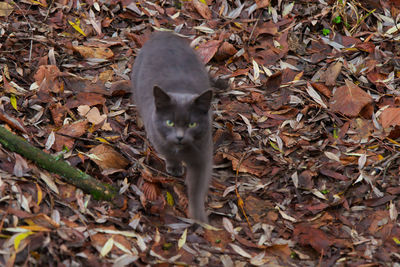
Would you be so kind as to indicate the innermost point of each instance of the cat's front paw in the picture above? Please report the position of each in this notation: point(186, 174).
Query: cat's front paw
point(175, 169)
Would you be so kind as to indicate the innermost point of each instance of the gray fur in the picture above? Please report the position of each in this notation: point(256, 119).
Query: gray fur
point(171, 84)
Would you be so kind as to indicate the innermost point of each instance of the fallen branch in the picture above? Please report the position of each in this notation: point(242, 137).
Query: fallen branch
point(48, 162)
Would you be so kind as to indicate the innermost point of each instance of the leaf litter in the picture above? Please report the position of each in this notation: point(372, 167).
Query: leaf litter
point(306, 135)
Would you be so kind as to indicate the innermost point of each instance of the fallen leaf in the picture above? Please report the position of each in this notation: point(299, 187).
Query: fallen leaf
point(203, 9)
point(5, 9)
point(349, 100)
point(262, 3)
point(94, 52)
point(316, 238)
point(76, 129)
point(107, 247)
point(390, 117)
point(331, 74)
point(225, 51)
point(94, 116)
point(207, 50)
point(107, 158)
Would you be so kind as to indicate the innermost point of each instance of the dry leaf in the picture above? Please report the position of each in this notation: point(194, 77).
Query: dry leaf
point(207, 50)
point(94, 52)
point(349, 100)
point(107, 158)
point(390, 117)
point(203, 9)
point(5, 9)
point(94, 116)
point(332, 73)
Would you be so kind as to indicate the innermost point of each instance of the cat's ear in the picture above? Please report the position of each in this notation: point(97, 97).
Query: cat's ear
point(203, 101)
point(162, 99)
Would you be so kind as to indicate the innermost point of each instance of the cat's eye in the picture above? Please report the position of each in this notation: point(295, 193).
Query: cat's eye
point(169, 123)
point(192, 124)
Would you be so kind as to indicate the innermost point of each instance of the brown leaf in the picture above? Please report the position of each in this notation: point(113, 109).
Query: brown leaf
point(262, 3)
point(15, 123)
point(333, 174)
point(249, 165)
point(376, 78)
point(108, 158)
point(94, 116)
point(316, 238)
point(322, 89)
point(47, 79)
point(58, 113)
point(349, 99)
point(225, 51)
point(218, 239)
point(43, 220)
point(332, 73)
point(151, 190)
point(256, 208)
point(273, 82)
point(76, 129)
point(367, 47)
point(94, 52)
point(203, 9)
point(390, 117)
point(90, 99)
point(266, 28)
point(207, 50)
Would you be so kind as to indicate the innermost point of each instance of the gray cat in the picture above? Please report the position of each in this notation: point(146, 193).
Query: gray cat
point(171, 89)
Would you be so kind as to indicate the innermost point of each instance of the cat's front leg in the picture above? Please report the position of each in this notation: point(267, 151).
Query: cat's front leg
point(197, 180)
point(174, 168)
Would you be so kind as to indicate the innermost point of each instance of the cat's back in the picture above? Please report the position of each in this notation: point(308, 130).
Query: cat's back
point(168, 61)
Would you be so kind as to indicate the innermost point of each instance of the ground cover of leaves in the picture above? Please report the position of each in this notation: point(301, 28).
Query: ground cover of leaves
point(306, 135)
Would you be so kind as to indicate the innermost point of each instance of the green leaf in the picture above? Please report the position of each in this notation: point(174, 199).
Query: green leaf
point(167, 246)
point(326, 32)
point(337, 20)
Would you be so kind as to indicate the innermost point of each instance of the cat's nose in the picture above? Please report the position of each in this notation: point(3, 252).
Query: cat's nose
point(179, 134)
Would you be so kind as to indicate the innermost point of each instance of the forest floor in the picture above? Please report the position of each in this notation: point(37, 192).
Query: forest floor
point(307, 150)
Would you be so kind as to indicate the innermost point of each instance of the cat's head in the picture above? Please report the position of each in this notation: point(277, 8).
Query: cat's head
point(182, 118)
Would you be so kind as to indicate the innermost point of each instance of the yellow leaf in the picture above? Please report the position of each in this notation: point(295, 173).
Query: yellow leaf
point(39, 194)
point(170, 199)
point(298, 76)
point(393, 141)
point(36, 228)
point(76, 26)
point(102, 140)
point(5, 9)
point(203, 1)
point(237, 24)
point(13, 100)
point(107, 247)
point(182, 239)
point(44, 4)
point(19, 238)
point(396, 240)
point(274, 146)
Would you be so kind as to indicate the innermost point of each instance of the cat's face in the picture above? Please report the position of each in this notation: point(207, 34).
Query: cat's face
point(181, 119)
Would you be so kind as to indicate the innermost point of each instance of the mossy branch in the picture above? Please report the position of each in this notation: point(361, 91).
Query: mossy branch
point(46, 161)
